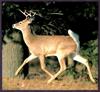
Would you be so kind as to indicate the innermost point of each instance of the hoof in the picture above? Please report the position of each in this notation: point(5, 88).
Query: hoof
point(16, 73)
point(49, 81)
point(93, 81)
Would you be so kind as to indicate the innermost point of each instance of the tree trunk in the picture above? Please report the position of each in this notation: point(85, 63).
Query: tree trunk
point(12, 57)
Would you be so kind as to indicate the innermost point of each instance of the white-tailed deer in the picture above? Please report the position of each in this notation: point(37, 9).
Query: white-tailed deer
point(43, 46)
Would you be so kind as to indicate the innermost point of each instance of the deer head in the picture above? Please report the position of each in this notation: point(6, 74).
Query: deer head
point(22, 25)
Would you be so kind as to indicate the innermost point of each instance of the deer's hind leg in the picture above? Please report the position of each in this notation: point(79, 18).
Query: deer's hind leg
point(85, 62)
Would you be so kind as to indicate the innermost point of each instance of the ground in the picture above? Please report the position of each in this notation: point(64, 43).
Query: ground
point(41, 84)
point(38, 82)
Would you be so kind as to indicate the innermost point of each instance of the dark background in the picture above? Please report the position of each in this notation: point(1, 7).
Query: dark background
point(81, 17)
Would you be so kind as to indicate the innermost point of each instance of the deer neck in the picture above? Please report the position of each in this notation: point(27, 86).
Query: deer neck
point(27, 36)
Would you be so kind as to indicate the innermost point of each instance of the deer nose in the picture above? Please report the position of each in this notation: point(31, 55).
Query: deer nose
point(13, 26)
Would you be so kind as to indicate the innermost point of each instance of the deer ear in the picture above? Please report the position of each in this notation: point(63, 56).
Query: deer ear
point(30, 20)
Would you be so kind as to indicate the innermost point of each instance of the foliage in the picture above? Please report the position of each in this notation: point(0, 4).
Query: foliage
point(90, 51)
point(74, 16)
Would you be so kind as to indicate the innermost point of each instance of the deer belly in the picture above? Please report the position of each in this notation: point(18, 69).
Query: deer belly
point(46, 51)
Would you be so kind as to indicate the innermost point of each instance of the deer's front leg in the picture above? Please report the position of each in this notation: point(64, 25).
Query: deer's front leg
point(25, 61)
point(43, 66)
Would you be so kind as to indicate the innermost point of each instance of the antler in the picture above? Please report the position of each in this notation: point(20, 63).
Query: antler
point(25, 13)
point(30, 14)
point(34, 13)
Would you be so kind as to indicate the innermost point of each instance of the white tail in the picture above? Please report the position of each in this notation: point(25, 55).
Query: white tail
point(76, 39)
point(43, 46)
